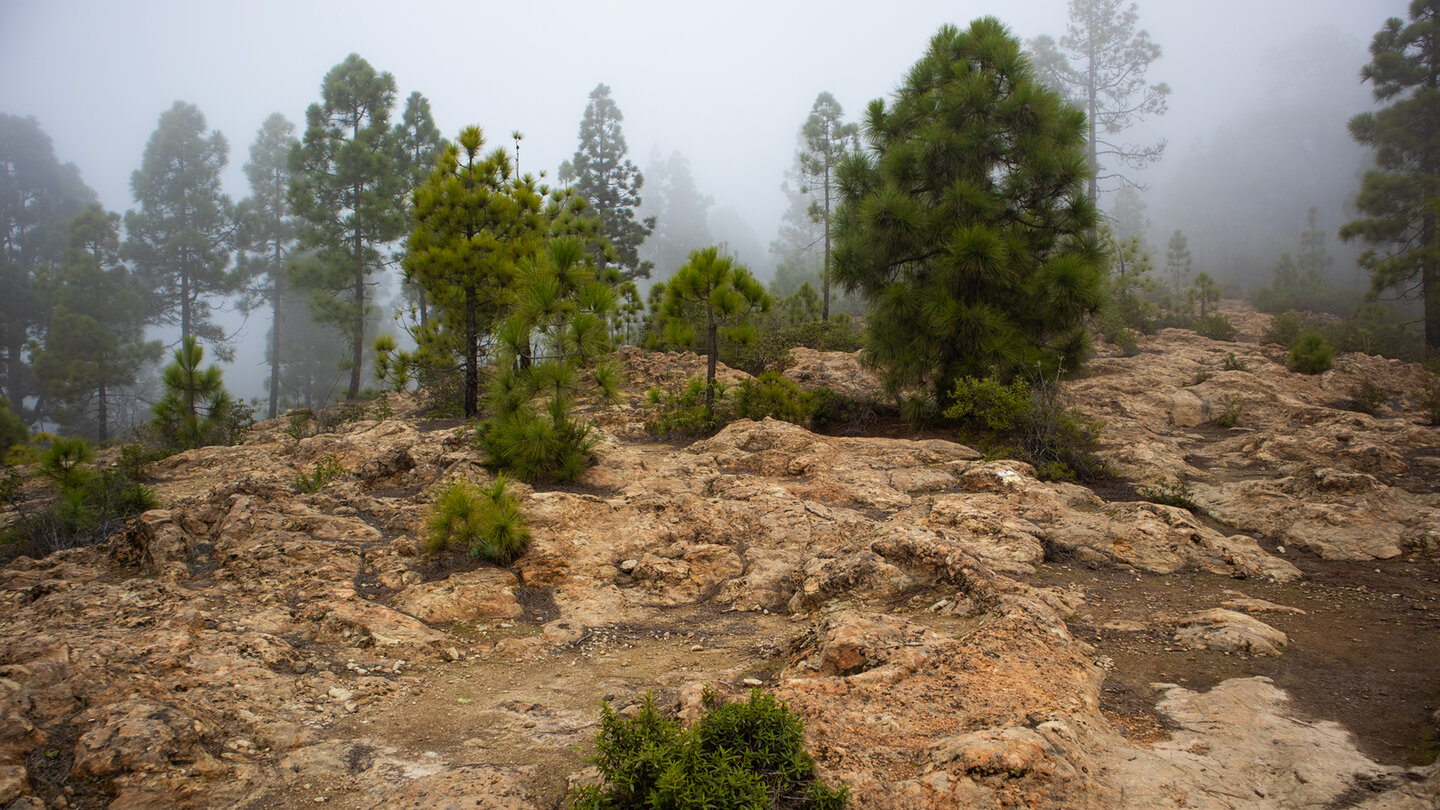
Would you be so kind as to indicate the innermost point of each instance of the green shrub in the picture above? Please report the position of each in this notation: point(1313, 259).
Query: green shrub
point(487, 521)
point(737, 756)
point(1201, 375)
point(327, 469)
point(1311, 354)
point(298, 421)
point(832, 412)
point(1033, 419)
point(1229, 414)
point(1367, 397)
point(1428, 398)
point(13, 431)
point(538, 445)
point(339, 417)
point(685, 414)
point(1284, 329)
point(774, 395)
point(88, 505)
point(1176, 494)
point(1127, 344)
point(1233, 363)
point(989, 404)
point(381, 409)
point(1214, 326)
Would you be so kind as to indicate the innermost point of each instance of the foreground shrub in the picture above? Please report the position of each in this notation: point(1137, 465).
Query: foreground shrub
point(485, 520)
point(327, 469)
point(1311, 354)
point(737, 755)
point(1167, 494)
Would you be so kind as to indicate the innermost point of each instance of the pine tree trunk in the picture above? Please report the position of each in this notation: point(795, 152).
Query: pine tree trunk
point(825, 271)
point(472, 355)
point(357, 347)
point(102, 415)
point(276, 291)
point(1430, 283)
point(712, 348)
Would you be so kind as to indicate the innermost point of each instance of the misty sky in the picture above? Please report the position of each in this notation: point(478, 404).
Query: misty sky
point(727, 84)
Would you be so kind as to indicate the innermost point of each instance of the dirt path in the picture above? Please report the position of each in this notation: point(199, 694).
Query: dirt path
point(539, 716)
point(1365, 652)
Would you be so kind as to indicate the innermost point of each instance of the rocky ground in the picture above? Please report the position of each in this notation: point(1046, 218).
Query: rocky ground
point(954, 632)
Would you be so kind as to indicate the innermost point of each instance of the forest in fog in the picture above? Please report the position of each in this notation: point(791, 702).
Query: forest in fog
point(367, 235)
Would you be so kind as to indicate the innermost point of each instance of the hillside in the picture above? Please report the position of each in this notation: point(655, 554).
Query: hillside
point(954, 632)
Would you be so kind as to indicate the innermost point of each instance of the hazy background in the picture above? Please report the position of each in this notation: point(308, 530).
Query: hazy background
point(1261, 90)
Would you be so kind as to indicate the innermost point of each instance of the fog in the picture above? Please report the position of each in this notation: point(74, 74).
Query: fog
point(1260, 93)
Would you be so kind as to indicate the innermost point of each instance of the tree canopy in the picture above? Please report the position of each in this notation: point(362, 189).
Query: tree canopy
point(182, 234)
point(610, 183)
point(966, 222)
point(1400, 197)
point(1099, 66)
point(349, 193)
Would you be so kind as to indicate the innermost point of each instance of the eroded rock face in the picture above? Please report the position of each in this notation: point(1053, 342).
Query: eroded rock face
point(1297, 467)
point(210, 654)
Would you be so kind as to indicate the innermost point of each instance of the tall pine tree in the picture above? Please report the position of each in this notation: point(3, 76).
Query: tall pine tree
point(267, 231)
point(966, 222)
point(473, 225)
point(611, 184)
point(95, 340)
point(182, 234)
point(827, 140)
point(1099, 66)
point(1400, 197)
point(38, 198)
point(349, 194)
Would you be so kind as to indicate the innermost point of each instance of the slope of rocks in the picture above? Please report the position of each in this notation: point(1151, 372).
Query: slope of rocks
point(252, 646)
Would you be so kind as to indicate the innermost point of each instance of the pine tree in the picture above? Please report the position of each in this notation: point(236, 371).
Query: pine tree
point(181, 236)
point(195, 408)
point(419, 146)
point(723, 292)
point(267, 230)
point(39, 197)
point(1400, 197)
point(1100, 67)
point(550, 348)
point(473, 224)
point(827, 140)
point(680, 211)
point(966, 222)
point(95, 340)
point(611, 184)
point(1178, 262)
point(348, 193)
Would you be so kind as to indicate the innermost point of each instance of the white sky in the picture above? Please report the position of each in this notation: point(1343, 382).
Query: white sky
point(725, 83)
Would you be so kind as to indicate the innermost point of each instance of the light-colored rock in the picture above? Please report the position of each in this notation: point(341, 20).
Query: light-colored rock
point(485, 593)
point(1228, 631)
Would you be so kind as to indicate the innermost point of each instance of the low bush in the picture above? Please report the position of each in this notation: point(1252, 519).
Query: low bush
point(1176, 494)
point(327, 469)
point(834, 413)
point(771, 395)
point(1428, 398)
point(298, 423)
point(740, 755)
point(1034, 420)
point(1284, 329)
point(1233, 363)
point(1215, 327)
point(1367, 397)
point(1311, 354)
point(88, 505)
point(685, 413)
point(1229, 415)
point(487, 521)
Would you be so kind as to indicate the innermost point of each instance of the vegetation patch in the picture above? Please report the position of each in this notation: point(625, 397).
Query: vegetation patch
point(739, 755)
